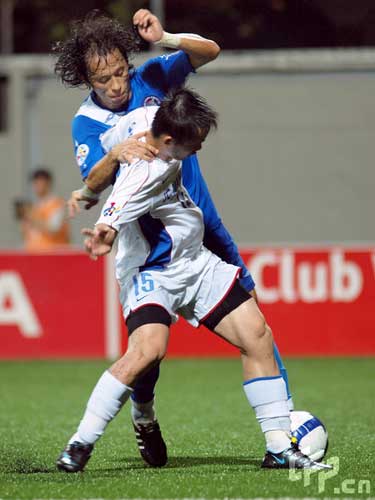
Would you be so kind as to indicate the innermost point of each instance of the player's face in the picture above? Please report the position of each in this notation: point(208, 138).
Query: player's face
point(173, 150)
point(109, 78)
point(181, 151)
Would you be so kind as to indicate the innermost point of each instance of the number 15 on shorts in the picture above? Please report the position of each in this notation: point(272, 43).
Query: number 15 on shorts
point(143, 283)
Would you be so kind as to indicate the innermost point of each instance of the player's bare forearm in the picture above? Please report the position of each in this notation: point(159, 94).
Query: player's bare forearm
point(102, 174)
point(200, 50)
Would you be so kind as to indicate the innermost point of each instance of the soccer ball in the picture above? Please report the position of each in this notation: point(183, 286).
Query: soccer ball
point(309, 433)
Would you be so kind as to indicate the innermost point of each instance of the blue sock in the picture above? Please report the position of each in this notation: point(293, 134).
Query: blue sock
point(144, 388)
point(283, 373)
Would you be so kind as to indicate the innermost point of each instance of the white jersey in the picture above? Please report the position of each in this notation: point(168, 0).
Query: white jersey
point(158, 223)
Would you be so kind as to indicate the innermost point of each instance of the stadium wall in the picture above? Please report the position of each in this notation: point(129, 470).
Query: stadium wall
point(318, 301)
point(292, 160)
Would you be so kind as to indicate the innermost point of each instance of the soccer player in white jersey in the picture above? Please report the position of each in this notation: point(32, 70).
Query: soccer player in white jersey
point(97, 54)
point(181, 277)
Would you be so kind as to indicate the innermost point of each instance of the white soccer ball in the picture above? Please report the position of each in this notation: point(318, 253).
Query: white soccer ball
point(310, 433)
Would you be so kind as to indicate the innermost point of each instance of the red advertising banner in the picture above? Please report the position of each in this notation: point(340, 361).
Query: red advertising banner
point(317, 302)
point(51, 306)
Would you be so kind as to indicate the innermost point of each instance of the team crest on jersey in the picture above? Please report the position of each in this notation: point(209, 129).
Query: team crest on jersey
point(152, 100)
point(112, 209)
point(82, 153)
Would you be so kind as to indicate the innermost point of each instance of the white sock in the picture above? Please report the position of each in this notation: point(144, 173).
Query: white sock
point(290, 404)
point(268, 397)
point(277, 441)
point(106, 400)
point(143, 413)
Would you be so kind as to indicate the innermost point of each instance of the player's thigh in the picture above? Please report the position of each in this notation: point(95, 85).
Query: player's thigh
point(243, 326)
point(148, 330)
point(254, 294)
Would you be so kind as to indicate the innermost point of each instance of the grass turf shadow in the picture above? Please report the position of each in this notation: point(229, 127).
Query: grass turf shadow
point(175, 462)
point(24, 465)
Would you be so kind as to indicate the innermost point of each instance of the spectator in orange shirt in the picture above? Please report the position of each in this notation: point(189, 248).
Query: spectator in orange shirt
point(43, 223)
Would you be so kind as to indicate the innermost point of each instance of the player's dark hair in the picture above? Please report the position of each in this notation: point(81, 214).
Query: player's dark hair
point(41, 173)
point(183, 115)
point(94, 34)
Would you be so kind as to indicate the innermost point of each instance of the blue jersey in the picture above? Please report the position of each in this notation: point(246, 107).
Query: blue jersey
point(149, 84)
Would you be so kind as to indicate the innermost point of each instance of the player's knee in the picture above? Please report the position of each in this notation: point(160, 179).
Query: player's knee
point(157, 354)
point(257, 330)
point(257, 327)
point(138, 363)
point(139, 359)
point(153, 352)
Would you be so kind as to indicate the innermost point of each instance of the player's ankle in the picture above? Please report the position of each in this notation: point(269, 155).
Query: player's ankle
point(143, 413)
point(277, 441)
point(76, 438)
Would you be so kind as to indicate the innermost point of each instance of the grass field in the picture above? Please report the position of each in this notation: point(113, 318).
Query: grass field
point(215, 446)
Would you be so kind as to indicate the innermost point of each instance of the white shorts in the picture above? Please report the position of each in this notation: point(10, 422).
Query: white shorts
point(191, 288)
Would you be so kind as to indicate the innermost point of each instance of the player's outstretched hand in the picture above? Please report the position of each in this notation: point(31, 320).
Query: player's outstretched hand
point(133, 148)
point(148, 25)
point(99, 241)
point(75, 198)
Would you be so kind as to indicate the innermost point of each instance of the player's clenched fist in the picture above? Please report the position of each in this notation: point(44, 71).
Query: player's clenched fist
point(148, 25)
point(99, 240)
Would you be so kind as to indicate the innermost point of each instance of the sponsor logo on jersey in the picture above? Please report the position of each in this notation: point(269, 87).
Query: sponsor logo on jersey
point(82, 153)
point(112, 209)
point(152, 100)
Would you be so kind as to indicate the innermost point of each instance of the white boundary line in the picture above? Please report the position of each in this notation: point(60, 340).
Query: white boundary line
point(227, 498)
point(112, 310)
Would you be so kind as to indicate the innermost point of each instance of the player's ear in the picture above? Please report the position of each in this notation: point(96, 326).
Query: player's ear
point(167, 140)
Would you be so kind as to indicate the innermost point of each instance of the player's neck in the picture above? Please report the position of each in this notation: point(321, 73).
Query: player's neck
point(157, 143)
point(150, 139)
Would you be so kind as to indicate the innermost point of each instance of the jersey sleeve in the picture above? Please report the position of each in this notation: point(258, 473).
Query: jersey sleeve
point(127, 201)
point(110, 138)
point(167, 71)
point(216, 237)
point(86, 139)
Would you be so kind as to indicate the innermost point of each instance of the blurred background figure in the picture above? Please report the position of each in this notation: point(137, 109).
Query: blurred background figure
point(43, 222)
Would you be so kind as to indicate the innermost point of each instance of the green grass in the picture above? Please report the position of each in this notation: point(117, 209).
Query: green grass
point(215, 445)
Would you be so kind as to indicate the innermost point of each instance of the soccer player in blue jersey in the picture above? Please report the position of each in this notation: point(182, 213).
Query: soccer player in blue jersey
point(98, 55)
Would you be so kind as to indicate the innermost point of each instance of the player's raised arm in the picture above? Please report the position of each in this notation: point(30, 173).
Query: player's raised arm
point(200, 50)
